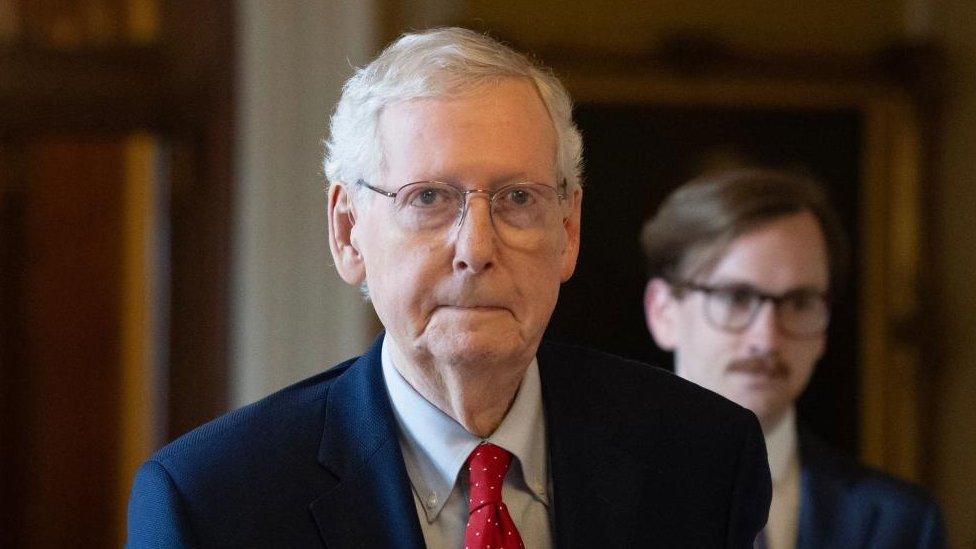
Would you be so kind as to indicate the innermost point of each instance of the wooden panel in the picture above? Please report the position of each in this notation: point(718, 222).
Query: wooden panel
point(893, 395)
point(78, 385)
point(140, 412)
point(119, 88)
point(13, 366)
point(73, 281)
point(200, 36)
point(70, 23)
point(74, 323)
point(849, 26)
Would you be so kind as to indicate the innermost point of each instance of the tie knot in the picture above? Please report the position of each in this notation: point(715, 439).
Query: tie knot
point(487, 466)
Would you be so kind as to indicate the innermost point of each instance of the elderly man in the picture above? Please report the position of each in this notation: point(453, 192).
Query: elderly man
point(742, 266)
point(454, 202)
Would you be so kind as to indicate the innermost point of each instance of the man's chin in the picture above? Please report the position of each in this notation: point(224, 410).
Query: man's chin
point(477, 344)
point(471, 348)
point(766, 407)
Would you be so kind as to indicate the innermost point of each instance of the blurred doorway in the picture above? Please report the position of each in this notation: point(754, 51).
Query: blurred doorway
point(648, 128)
point(115, 186)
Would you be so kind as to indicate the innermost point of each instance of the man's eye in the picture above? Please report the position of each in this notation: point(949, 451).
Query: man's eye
point(428, 197)
point(518, 197)
point(803, 301)
point(736, 297)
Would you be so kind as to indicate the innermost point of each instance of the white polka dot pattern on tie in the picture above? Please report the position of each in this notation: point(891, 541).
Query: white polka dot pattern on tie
point(489, 522)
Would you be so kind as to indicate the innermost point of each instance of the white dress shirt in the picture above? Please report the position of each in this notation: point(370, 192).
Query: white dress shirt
point(435, 447)
point(784, 468)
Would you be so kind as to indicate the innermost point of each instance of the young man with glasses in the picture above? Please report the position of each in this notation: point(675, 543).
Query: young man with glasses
point(742, 265)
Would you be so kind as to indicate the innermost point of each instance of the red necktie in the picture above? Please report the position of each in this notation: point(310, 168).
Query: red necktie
point(489, 524)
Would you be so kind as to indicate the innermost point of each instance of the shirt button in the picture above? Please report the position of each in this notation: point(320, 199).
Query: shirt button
point(432, 500)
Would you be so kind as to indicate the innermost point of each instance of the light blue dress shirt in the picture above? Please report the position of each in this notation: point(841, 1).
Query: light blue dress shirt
point(435, 447)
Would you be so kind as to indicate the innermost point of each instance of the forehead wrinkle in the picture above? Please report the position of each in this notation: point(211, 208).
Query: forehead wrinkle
point(384, 137)
point(414, 125)
point(413, 128)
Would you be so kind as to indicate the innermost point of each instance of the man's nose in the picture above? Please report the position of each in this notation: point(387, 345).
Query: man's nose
point(763, 335)
point(474, 247)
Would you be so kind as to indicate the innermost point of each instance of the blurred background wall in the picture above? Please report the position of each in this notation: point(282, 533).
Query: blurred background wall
point(291, 310)
point(952, 207)
point(162, 237)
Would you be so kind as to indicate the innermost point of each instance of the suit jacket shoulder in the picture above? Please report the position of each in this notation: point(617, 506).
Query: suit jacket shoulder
point(316, 464)
point(637, 388)
point(845, 504)
point(223, 483)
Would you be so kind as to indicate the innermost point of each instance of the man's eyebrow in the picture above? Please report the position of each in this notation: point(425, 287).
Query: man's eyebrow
point(513, 180)
point(492, 184)
point(740, 284)
point(734, 284)
point(729, 281)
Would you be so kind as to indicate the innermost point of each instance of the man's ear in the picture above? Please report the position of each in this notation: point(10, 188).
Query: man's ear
point(342, 223)
point(660, 312)
point(571, 224)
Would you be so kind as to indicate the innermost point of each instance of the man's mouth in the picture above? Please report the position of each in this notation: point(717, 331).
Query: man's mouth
point(473, 308)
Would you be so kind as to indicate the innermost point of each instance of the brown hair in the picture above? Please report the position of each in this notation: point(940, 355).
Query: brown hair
point(701, 218)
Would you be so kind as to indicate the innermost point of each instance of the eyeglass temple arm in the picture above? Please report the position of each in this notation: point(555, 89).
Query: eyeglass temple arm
point(376, 189)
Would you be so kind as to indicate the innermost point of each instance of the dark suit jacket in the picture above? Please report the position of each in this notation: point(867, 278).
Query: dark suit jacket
point(845, 505)
point(638, 458)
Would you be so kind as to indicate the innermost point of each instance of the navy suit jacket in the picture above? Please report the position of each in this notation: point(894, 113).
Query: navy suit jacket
point(638, 458)
point(846, 505)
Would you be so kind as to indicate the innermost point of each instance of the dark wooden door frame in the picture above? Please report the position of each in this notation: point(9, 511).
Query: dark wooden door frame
point(180, 88)
point(892, 98)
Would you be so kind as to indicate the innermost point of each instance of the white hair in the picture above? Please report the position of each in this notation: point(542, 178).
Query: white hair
point(439, 63)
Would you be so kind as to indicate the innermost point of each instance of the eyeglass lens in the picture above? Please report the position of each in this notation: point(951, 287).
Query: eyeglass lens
point(799, 313)
point(519, 208)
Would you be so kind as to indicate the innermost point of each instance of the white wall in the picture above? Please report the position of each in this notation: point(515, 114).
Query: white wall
point(293, 315)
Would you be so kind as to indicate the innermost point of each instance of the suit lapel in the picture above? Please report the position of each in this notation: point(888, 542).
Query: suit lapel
point(371, 504)
point(592, 501)
point(830, 515)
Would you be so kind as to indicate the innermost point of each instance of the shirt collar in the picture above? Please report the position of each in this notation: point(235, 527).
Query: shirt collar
point(781, 445)
point(435, 446)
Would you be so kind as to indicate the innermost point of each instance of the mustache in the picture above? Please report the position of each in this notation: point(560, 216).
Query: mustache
point(769, 366)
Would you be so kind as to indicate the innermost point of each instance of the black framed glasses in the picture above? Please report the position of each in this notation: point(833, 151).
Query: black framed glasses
point(435, 205)
point(801, 313)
